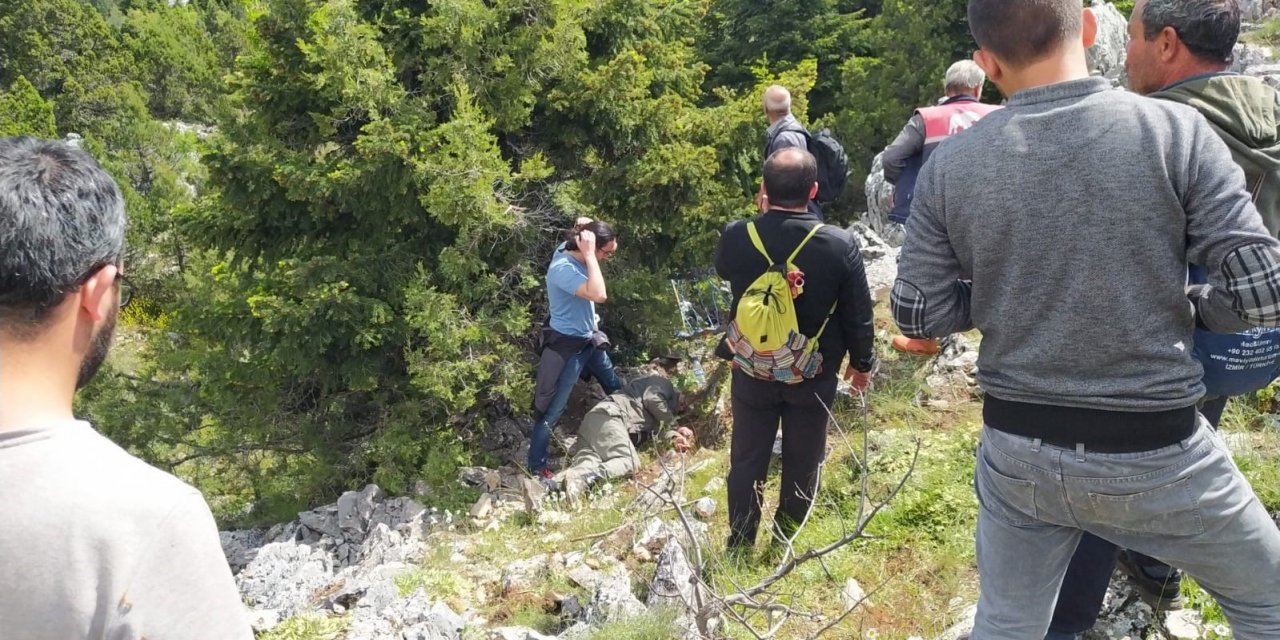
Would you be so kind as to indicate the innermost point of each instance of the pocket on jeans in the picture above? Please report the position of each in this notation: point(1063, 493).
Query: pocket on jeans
point(1171, 510)
point(1010, 500)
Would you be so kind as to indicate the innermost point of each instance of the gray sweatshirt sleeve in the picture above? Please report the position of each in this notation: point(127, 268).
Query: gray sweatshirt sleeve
point(1225, 234)
point(930, 299)
point(910, 141)
point(183, 585)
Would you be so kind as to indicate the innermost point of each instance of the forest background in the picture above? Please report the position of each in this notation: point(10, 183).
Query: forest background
point(341, 210)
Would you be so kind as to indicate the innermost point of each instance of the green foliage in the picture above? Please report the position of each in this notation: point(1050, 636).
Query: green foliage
point(308, 627)
point(175, 61)
point(880, 90)
point(24, 113)
point(739, 34)
point(653, 624)
point(339, 284)
point(441, 584)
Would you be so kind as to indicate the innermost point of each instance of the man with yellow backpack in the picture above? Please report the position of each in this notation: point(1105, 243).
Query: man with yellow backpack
point(800, 303)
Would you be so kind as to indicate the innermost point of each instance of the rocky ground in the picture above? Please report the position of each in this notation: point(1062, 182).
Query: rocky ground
point(390, 567)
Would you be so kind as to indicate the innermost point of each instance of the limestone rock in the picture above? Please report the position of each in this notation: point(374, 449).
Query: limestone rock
point(964, 624)
point(672, 583)
point(263, 620)
point(285, 576)
point(522, 574)
point(613, 599)
point(879, 257)
point(483, 507)
point(1107, 55)
point(853, 595)
point(879, 201)
point(517, 633)
point(416, 617)
point(1183, 624)
point(1246, 55)
point(240, 547)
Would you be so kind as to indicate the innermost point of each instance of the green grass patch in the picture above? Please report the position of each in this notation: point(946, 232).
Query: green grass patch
point(310, 626)
point(655, 624)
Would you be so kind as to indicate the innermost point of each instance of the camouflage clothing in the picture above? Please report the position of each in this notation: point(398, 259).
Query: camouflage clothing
point(609, 432)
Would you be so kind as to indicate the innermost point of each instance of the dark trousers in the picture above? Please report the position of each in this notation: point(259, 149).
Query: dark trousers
point(1085, 585)
point(758, 408)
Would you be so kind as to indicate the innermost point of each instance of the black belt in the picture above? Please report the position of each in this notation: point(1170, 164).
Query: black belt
point(1097, 429)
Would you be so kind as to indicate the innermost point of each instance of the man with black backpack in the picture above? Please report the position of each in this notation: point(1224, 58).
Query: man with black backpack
point(785, 132)
point(800, 303)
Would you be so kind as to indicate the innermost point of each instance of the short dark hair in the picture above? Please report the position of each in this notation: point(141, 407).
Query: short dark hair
point(789, 174)
point(1209, 28)
point(61, 217)
point(1020, 32)
point(604, 234)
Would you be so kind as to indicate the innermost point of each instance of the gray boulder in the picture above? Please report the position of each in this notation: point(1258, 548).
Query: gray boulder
point(285, 576)
point(1107, 55)
point(672, 583)
point(240, 547)
point(416, 617)
point(613, 599)
point(879, 201)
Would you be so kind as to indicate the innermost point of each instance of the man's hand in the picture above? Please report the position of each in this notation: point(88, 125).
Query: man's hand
point(682, 439)
point(859, 381)
point(587, 243)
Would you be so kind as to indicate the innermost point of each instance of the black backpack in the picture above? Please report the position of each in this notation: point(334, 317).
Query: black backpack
point(833, 164)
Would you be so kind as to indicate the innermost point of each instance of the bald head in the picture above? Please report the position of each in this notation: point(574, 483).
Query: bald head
point(790, 178)
point(777, 100)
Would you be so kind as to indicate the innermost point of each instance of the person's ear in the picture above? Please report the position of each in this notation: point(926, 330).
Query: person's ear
point(989, 65)
point(813, 191)
point(97, 296)
point(1089, 32)
point(1167, 44)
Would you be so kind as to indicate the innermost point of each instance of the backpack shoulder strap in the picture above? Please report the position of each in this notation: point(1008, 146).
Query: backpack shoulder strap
point(759, 244)
point(812, 232)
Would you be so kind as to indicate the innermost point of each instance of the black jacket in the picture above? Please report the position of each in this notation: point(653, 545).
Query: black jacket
point(833, 272)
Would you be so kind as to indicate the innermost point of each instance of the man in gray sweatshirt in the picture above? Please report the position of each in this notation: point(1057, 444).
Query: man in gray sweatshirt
point(1061, 228)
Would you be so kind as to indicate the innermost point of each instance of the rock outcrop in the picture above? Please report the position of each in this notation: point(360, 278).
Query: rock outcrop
point(1109, 50)
point(879, 201)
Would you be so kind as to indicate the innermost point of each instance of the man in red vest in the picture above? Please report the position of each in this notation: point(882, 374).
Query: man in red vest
point(928, 127)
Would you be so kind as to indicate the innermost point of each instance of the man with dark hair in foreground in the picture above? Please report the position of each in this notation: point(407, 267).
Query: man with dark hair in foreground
point(94, 543)
point(1075, 211)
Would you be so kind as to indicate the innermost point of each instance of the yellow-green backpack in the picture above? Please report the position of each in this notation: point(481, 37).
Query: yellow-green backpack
point(765, 334)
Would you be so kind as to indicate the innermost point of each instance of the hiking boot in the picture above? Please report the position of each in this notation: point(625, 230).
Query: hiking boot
point(915, 346)
point(574, 487)
point(1158, 582)
point(577, 484)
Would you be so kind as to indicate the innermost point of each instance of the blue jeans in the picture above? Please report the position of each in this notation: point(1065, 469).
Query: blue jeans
point(595, 362)
point(1186, 504)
